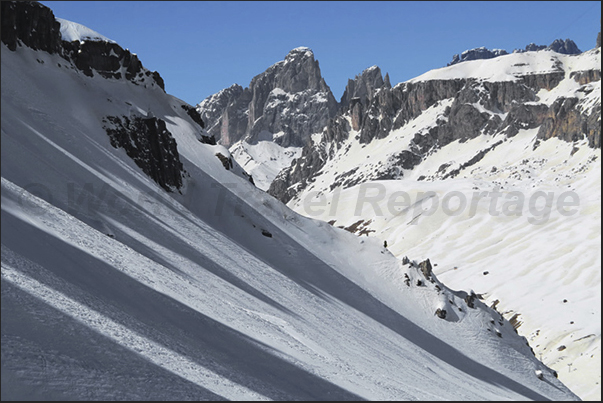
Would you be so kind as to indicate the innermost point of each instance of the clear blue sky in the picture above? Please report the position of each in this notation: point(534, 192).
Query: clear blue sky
point(201, 47)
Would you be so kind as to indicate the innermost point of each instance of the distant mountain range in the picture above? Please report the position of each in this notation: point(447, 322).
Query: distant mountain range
point(521, 122)
point(567, 47)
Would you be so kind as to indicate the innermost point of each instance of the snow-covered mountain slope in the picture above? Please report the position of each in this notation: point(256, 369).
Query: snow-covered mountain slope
point(72, 31)
point(544, 269)
point(566, 47)
point(514, 66)
point(117, 287)
point(263, 160)
point(534, 262)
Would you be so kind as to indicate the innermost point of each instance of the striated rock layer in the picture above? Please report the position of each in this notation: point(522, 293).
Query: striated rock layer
point(475, 107)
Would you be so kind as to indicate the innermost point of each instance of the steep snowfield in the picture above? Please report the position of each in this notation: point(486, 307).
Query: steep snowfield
point(115, 289)
point(546, 269)
point(263, 160)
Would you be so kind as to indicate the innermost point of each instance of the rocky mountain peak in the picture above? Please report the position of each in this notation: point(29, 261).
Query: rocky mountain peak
point(34, 25)
point(476, 54)
point(364, 86)
point(286, 103)
point(298, 72)
point(299, 53)
point(566, 47)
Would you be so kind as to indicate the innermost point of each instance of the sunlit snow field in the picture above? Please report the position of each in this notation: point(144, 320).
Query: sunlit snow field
point(115, 289)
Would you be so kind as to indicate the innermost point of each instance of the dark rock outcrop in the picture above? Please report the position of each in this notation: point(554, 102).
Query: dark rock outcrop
point(546, 81)
point(150, 145)
point(477, 54)
point(226, 113)
point(33, 25)
point(415, 97)
point(213, 106)
point(30, 24)
point(532, 47)
point(586, 76)
point(566, 47)
point(426, 269)
point(194, 114)
point(565, 122)
point(226, 161)
point(392, 108)
point(363, 87)
point(524, 116)
point(290, 99)
point(108, 60)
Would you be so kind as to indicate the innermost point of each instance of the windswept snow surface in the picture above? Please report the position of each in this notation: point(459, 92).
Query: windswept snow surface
point(114, 289)
point(72, 31)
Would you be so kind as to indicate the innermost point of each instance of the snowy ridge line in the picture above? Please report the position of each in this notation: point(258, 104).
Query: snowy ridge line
point(72, 31)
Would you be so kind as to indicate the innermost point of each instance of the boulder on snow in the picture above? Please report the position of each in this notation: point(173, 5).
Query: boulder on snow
point(227, 162)
point(426, 269)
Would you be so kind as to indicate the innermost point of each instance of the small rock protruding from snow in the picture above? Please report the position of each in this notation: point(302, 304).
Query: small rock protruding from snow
point(426, 269)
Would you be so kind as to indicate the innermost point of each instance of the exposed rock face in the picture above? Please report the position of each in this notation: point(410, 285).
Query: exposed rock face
point(151, 145)
point(586, 76)
point(546, 81)
point(364, 87)
point(146, 140)
point(476, 54)
point(440, 313)
point(226, 113)
point(192, 112)
point(110, 61)
point(475, 110)
point(564, 121)
point(426, 269)
point(522, 116)
point(532, 47)
point(33, 25)
point(567, 47)
point(290, 100)
point(226, 161)
point(30, 24)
